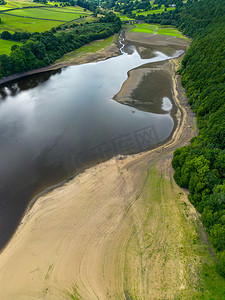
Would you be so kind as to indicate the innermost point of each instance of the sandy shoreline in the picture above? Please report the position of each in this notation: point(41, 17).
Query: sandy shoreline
point(119, 230)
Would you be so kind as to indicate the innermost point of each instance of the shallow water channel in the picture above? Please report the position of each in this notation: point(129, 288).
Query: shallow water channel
point(53, 124)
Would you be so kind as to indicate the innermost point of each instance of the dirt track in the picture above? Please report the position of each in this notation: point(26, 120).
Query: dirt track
point(121, 230)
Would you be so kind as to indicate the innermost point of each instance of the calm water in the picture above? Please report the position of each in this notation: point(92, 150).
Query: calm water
point(51, 125)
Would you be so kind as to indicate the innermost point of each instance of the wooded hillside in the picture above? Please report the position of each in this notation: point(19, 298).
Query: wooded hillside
point(200, 167)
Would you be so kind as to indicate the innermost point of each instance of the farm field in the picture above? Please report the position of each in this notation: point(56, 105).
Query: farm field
point(152, 11)
point(42, 13)
point(170, 31)
point(5, 46)
point(146, 28)
point(5, 7)
point(38, 19)
point(19, 4)
point(75, 8)
point(156, 29)
point(123, 17)
point(68, 9)
point(14, 23)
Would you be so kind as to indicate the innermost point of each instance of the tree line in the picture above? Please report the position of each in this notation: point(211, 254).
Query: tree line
point(3, 2)
point(42, 49)
point(200, 167)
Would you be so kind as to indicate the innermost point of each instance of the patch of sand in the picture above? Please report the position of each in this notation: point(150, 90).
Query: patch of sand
point(120, 230)
point(155, 39)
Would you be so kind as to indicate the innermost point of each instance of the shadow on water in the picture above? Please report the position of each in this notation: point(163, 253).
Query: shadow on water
point(27, 82)
point(54, 124)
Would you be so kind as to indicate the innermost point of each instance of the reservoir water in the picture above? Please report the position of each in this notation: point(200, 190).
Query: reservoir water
point(54, 124)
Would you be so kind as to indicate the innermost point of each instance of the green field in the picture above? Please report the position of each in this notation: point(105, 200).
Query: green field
point(5, 46)
point(152, 28)
point(75, 8)
point(123, 17)
point(147, 28)
point(39, 19)
point(170, 31)
point(42, 13)
point(89, 48)
point(89, 19)
point(5, 7)
point(12, 24)
point(19, 4)
point(69, 9)
point(153, 11)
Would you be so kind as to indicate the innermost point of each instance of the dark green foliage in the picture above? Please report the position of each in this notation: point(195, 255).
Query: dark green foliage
point(43, 49)
point(16, 36)
point(200, 167)
point(14, 47)
point(6, 35)
point(111, 18)
point(90, 5)
point(2, 2)
point(41, 1)
point(193, 17)
point(221, 264)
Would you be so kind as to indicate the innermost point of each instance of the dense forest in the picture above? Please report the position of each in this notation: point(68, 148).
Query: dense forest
point(192, 17)
point(200, 167)
point(42, 49)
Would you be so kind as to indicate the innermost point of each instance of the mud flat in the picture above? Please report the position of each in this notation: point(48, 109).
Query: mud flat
point(153, 79)
point(155, 39)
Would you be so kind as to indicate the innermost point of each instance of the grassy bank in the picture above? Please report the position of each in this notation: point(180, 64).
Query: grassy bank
point(167, 241)
point(5, 46)
point(157, 29)
point(87, 49)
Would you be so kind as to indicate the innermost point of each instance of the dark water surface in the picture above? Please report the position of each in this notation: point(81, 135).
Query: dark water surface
point(53, 124)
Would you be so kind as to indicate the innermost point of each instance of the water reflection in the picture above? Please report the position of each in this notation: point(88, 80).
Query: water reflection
point(28, 82)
